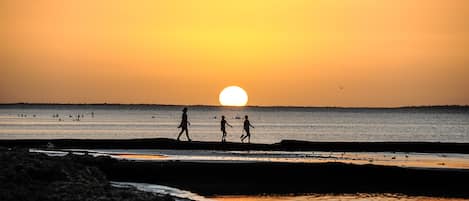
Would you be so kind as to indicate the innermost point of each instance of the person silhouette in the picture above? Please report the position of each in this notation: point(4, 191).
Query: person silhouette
point(247, 125)
point(223, 124)
point(184, 124)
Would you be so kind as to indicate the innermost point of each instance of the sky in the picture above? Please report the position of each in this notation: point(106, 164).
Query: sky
point(362, 53)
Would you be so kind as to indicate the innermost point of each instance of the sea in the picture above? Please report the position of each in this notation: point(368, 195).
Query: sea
point(271, 124)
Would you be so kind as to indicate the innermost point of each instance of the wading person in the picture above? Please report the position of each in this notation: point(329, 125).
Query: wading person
point(184, 124)
point(247, 126)
point(223, 124)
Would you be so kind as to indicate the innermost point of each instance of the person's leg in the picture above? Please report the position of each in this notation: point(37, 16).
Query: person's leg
point(248, 135)
point(244, 136)
point(187, 135)
point(180, 133)
point(222, 135)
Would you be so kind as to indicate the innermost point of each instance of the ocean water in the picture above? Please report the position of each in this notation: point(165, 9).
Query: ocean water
point(272, 124)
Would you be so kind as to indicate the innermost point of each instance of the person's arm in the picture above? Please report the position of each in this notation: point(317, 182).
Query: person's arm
point(251, 125)
point(229, 124)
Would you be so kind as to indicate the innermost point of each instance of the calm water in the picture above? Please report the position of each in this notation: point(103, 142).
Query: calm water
point(346, 197)
point(183, 195)
point(272, 124)
point(410, 160)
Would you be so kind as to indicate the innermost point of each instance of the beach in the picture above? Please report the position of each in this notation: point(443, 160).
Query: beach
point(228, 178)
point(284, 145)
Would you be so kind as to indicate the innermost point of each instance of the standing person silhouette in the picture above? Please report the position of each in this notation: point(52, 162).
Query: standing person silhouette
point(223, 124)
point(247, 125)
point(184, 124)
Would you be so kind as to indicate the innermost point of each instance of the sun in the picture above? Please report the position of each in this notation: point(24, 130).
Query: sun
point(233, 96)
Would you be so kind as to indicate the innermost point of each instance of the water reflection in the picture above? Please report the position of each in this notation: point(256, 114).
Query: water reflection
point(418, 160)
point(140, 156)
point(421, 160)
point(346, 197)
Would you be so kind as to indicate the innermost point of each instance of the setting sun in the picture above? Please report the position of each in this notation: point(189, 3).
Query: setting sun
point(233, 96)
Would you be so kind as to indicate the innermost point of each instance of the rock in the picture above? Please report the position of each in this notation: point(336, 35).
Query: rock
point(31, 176)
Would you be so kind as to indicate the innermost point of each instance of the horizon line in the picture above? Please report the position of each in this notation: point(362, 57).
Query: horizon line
point(255, 106)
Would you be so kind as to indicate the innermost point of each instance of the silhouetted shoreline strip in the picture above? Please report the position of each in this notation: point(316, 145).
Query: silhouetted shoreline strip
point(150, 106)
point(284, 145)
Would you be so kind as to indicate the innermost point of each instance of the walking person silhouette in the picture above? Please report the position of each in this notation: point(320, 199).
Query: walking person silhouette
point(247, 126)
point(223, 124)
point(184, 124)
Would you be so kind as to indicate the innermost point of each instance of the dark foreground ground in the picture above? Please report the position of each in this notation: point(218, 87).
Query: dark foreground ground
point(33, 176)
point(290, 178)
point(285, 145)
point(28, 176)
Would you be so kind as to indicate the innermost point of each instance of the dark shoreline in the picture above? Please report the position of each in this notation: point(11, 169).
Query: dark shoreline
point(144, 105)
point(285, 145)
point(275, 178)
point(221, 178)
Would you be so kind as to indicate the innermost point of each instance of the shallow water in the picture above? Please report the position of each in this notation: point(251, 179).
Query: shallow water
point(272, 124)
point(419, 160)
point(178, 194)
point(186, 195)
point(414, 160)
point(354, 197)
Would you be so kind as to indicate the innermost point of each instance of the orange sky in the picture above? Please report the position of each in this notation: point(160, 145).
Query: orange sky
point(306, 53)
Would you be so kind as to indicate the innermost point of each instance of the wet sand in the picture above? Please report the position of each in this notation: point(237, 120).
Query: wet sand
point(232, 177)
point(417, 160)
point(215, 178)
point(400, 159)
point(285, 145)
point(218, 178)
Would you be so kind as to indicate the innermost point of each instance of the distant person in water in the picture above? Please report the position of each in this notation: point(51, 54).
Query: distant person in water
point(184, 124)
point(223, 124)
point(247, 126)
